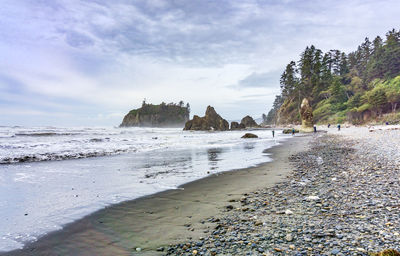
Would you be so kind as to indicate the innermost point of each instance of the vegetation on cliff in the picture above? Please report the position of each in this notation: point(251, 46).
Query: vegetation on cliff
point(357, 87)
point(162, 115)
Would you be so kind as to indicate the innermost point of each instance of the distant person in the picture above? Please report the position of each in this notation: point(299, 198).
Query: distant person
point(315, 128)
point(338, 127)
point(273, 134)
point(387, 123)
point(293, 131)
point(329, 125)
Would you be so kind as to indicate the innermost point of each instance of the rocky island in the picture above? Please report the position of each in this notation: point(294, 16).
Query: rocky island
point(211, 121)
point(248, 122)
point(214, 122)
point(162, 115)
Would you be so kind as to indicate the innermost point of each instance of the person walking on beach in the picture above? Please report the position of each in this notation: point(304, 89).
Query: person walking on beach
point(273, 134)
point(315, 128)
point(338, 127)
point(293, 131)
point(329, 125)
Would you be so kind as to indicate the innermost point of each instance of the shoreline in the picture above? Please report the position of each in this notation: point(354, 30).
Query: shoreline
point(178, 215)
point(342, 198)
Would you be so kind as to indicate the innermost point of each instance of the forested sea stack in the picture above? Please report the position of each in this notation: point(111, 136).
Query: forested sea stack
point(163, 115)
point(358, 87)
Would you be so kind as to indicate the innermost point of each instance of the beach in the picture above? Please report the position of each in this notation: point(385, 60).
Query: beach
point(50, 177)
point(170, 217)
point(199, 128)
point(329, 193)
point(342, 198)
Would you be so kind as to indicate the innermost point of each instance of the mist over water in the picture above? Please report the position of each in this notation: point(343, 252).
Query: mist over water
point(52, 176)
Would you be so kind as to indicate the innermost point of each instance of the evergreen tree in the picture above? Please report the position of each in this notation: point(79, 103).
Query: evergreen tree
point(288, 80)
point(337, 83)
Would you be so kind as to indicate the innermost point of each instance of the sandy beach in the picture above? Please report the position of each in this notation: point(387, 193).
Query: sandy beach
point(153, 223)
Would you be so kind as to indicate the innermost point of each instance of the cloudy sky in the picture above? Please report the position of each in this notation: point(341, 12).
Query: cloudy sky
point(88, 62)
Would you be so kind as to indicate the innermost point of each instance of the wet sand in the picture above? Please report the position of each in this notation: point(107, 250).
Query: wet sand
point(165, 218)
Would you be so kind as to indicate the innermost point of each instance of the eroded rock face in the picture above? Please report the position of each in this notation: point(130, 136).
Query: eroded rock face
point(234, 126)
point(306, 114)
point(211, 121)
point(248, 121)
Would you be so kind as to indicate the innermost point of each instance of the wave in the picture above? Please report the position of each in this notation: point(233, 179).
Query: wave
point(43, 134)
point(58, 157)
point(21, 145)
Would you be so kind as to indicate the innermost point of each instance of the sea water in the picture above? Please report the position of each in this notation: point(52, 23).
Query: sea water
point(53, 176)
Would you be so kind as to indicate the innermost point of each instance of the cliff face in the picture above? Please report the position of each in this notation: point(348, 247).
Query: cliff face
point(162, 115)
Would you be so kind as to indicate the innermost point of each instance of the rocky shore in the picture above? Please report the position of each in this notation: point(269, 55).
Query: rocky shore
point(342, 198)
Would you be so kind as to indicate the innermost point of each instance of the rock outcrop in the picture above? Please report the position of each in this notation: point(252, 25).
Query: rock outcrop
point(248, 122)
point(235, 126)
point(306, 114)
point(249, 136)
point(211, 121)
point(163, 115)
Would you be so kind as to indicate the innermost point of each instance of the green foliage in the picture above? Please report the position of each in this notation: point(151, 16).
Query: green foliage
point(339, 117)
point(392, 118)
point(171, 108)
point(162, 114)
point(133, 112)
point(376, 98)
point(323, 110)
point(364, 107)
point(338, 91)
point(392, 89)
point(354, 101)
point(340, 85)
point(356, 84)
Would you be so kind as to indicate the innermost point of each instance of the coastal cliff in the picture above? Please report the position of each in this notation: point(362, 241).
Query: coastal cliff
point(162, 115)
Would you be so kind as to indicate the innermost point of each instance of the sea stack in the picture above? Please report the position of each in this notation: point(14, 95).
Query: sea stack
point(162, 115)
point(248, 122)
point(211, 121)
point(235, 126)
point(307, 122)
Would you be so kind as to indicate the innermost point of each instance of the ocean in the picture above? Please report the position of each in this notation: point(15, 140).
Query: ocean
point(52, 176)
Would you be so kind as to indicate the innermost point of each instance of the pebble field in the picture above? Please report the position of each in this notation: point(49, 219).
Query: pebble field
point(342, 198)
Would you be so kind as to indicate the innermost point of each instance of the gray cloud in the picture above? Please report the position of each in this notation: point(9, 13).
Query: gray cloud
point(265, 80)
point(79, 40)
point(119, 49)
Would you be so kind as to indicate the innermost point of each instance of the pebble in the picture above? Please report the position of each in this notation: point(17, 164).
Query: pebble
point(289, 237)
point(335, 251)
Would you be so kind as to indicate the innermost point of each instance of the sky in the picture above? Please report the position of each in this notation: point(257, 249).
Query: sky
point(88, 62)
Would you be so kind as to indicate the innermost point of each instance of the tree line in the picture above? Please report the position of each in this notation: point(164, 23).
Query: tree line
point(342, 87)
